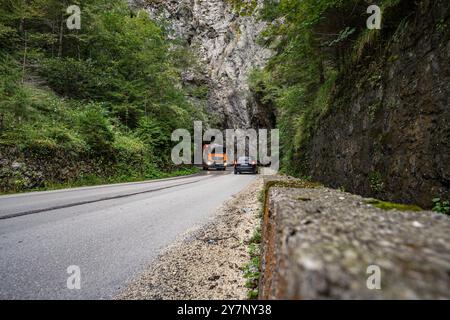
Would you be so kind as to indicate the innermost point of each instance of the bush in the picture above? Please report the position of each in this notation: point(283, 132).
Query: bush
point(96, 130)
point(70, 77)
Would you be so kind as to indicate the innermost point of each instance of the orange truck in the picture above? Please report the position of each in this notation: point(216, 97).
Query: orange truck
point(217, 157)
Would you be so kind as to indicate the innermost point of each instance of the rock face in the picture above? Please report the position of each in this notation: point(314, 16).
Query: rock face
point(388, 132)
point(326, 244)
point(226, 44)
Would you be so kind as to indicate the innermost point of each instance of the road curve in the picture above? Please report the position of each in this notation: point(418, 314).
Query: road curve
point(110, 232)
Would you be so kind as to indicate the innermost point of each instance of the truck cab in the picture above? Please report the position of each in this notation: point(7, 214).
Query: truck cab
point(216, 157)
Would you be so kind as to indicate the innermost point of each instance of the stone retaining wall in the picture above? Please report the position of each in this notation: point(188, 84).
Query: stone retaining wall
point(318, 243)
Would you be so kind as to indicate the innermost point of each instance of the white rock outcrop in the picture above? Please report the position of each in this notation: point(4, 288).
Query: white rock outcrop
point(226, 43)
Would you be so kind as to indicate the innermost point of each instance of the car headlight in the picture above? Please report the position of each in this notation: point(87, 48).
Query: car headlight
point(225, 164)
point(209, 163)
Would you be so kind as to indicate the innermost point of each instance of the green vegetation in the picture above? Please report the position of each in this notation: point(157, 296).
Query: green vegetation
point(251, 269)
point(246, 7)
point(391, 206)
point(262, 200)
point(316, 44)
point(376, 181)
point(441, 206)
point(256, 237)
point(297, 183)
point(106, 96)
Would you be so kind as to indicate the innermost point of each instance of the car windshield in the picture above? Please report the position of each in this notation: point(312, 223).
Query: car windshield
point(244, 159)
point(217, 149)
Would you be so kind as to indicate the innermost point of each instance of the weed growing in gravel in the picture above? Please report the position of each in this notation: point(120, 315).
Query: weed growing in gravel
point(256, 237)
point(251, 270)
point(261, 199)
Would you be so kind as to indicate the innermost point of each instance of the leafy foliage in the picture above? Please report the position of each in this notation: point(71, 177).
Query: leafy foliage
point(441, 206)
point(252, 269)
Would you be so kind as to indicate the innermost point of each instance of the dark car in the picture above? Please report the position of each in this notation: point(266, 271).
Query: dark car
point(245, 164)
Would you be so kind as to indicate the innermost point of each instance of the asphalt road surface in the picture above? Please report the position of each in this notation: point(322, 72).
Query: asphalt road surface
point(110, 232)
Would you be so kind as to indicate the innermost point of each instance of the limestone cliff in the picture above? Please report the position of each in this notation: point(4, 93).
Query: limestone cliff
point(226, 44)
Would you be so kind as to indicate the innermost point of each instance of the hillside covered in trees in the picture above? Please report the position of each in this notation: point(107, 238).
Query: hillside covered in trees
point(365, 110)
point(92, 105)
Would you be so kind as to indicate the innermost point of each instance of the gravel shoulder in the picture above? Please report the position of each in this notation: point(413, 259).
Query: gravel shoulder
point(206, 263)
